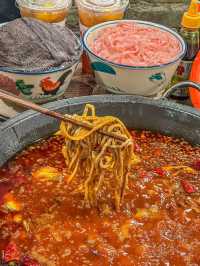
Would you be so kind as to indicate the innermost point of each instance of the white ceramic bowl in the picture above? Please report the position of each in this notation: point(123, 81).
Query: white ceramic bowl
point(38, 86)
point(148, 81)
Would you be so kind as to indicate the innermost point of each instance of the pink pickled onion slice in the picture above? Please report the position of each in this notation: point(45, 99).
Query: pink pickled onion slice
point(136, 45)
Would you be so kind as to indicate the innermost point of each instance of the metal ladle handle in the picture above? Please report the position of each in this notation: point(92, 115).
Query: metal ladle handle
point(181, 85)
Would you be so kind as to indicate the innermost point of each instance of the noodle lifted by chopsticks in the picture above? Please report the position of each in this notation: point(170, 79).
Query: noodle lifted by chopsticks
point(96, 158)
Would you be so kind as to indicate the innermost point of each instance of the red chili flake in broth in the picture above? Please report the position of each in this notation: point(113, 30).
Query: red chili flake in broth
point(146, 175)
point(188, 188)
point(159, 171)
point(137, 148)
point(196, 165)
point(11, 253)
point(157, 152)
point(30, 262)
point(4, 188)
point(20, 178)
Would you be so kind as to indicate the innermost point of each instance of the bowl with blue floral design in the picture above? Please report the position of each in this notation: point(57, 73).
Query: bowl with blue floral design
point(127, 75)
point(40, 66)
point(38, 87)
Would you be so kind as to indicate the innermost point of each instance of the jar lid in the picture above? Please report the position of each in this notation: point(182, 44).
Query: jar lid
point(45, 5)
point(103, 5)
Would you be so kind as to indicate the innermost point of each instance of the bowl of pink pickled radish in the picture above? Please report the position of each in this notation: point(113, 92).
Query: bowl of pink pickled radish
point(134, 57)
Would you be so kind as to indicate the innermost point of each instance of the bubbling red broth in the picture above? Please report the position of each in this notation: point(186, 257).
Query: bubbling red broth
point(43, 222)
point(135, 45)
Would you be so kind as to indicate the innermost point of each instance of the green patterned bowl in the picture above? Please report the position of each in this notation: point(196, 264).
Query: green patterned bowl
point(148, 81)
point(38, 87)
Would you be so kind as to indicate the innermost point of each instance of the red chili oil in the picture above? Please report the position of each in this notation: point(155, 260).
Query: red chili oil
point(158, 224)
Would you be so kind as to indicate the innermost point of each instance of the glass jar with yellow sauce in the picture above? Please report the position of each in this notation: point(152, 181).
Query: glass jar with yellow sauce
point(93, 12)
point(51, 11)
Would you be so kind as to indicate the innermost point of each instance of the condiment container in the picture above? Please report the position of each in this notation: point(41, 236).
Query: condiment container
point(51, 11)
point(93, 12)
point(190, 26)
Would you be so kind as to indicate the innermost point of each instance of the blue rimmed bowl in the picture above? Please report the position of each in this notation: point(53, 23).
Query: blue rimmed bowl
point(39, 86)
point(149, 81)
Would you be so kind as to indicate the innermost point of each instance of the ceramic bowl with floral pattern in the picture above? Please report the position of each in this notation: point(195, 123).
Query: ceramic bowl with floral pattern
point(149, 81)
point(38, 87)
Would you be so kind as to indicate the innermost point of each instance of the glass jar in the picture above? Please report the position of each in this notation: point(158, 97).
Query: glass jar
point(93, 12)
point(51, 11)
point(191, 37)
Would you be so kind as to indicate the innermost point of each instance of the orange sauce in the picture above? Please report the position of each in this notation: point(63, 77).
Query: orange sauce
point(46, 16)
point(89, 18)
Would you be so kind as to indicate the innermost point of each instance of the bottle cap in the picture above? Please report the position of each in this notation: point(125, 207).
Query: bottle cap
point(191, 18)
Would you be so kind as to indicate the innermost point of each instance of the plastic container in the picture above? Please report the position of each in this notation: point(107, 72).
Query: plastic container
point(51, 11)
point(93, 12)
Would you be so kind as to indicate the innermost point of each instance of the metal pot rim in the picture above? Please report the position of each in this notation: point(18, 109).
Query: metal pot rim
point(162, 103)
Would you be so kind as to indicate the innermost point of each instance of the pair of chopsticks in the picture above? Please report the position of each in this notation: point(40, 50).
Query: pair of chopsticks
point(67, 118)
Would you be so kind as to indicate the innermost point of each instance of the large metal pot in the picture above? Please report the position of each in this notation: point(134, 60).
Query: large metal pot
point(136, 112)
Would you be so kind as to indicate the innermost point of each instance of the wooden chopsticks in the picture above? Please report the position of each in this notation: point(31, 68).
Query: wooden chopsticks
point(66, 117)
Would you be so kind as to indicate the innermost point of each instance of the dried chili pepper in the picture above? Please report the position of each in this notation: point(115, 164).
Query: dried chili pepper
point(11, 253)
point(188, 188)
point(159, 171)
